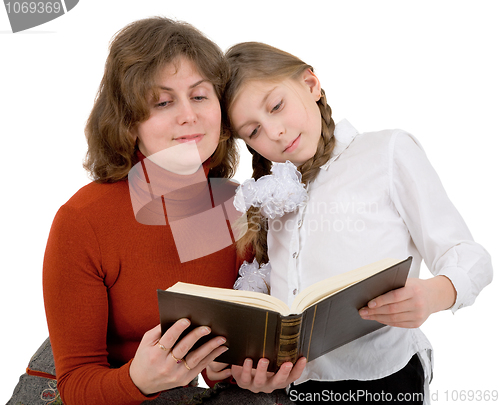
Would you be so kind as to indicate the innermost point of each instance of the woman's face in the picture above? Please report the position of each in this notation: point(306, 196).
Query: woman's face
point(187, 116)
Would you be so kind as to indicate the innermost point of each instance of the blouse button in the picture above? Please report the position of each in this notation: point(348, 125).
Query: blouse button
point(294, 292)
point(294, 255)
point(299, 223)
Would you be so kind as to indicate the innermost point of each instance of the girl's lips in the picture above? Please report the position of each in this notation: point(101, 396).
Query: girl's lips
point(188, 138)
point(290, 148)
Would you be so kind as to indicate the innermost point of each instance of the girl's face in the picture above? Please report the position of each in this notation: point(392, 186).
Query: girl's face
point(279, 120)
point(187, 114)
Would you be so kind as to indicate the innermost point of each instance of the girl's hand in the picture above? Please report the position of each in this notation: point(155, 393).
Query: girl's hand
point(218, 371)
point(163, 362)
point(260, 380)
point(410, 306)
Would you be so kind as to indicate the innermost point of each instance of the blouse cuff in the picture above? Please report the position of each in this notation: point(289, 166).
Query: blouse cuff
point(462, 284)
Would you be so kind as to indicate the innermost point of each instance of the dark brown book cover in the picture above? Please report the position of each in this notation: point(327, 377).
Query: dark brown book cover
point(255, 333)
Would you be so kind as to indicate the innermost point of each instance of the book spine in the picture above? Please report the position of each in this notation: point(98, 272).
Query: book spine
point(289, 339)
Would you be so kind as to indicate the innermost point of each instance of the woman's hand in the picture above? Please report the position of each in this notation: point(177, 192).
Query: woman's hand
point(163, 362)
point(410, 306)
point(260, 380)
point(218, 371)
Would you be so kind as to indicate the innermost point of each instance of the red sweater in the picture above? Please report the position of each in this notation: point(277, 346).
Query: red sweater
point(101, 272)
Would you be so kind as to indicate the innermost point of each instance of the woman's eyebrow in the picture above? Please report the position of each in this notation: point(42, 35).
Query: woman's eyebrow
point(191, 87)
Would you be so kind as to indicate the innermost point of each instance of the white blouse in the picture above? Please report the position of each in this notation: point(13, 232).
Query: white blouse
point(377, 197)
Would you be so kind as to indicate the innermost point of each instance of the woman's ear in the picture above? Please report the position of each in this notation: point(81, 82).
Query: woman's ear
point(134, 133)
point(312, 82)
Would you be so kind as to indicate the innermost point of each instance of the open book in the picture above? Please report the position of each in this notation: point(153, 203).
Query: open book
point(322, 317)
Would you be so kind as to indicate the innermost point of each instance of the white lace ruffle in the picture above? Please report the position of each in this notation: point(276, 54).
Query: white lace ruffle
point(276, 193)
point(254, 278)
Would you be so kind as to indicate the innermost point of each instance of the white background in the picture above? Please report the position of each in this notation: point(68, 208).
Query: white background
point(429, 67)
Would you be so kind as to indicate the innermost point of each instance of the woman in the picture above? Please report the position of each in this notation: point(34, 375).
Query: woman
point(103, 263)
point(149, 219)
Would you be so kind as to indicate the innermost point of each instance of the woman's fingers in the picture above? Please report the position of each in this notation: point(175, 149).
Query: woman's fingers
point(207, 352)
point(217, 371)
point(184, 345)
point(170, 337)
point(216, 366)
point(181, 349)
point(205, 361)
point(152, 336)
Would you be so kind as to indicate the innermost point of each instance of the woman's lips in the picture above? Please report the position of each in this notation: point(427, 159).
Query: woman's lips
point(188, 138)
point(293, 145)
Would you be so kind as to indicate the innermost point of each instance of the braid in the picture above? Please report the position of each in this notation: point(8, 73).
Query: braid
point(310, 168)
point(261, 166)
point(256, 234)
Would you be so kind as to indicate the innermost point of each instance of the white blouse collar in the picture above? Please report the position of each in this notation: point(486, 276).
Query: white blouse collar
point(344, 134)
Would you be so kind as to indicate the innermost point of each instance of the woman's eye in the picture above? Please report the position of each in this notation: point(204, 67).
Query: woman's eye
point(163, 104)
point(277, 106)
point(199, 98)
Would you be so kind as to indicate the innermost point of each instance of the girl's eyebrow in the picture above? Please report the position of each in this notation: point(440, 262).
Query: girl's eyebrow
point(266, 96)
point(191, 87)
point(264, 100)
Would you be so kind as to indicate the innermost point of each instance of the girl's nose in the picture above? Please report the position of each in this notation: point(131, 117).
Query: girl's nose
point(275, 131)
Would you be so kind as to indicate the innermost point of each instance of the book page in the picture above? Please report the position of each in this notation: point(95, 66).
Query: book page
point(252, 298)
point(318, 291)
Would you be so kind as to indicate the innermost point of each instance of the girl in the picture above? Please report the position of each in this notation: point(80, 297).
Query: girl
point(370, 196)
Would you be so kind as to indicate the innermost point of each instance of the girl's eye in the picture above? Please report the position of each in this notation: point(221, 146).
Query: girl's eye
point(199, 98)
point(254, 132)
point(277, 106)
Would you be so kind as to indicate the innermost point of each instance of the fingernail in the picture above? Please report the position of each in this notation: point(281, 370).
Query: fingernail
point(372, 304)
point(221, 340)
point(363, 312)
point(207, 330)
point(185, 322)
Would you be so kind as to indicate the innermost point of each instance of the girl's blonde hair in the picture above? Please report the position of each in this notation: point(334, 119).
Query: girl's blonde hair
point(137, 55)
point(255, 61)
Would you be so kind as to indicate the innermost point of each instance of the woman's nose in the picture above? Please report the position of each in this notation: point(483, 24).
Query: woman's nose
point(186, 113)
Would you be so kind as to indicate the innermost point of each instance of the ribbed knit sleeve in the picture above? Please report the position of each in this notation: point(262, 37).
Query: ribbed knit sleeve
point(76, 302)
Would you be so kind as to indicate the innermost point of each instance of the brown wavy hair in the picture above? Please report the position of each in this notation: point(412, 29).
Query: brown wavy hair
point(255, 61)
point(137, 55)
